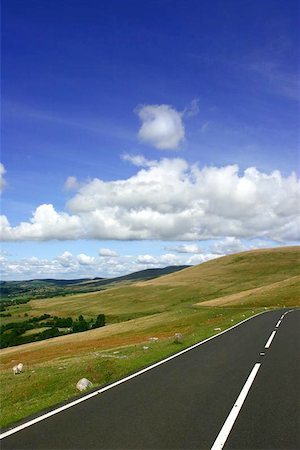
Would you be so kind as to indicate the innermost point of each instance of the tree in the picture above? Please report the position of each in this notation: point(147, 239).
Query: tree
point(52, 332)
point(100, 321)
point(80, 325)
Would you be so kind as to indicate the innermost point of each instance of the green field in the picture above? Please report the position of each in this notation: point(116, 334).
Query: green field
point(196, 302)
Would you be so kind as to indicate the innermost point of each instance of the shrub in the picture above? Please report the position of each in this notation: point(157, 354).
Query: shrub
point(100, 321)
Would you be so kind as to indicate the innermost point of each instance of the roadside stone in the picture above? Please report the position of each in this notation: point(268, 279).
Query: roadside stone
point(178, 338)
point(83, 384)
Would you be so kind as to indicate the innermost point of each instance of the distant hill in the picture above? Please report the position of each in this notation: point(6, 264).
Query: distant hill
point(49, 287)
point(142, 275)
point(60, 282)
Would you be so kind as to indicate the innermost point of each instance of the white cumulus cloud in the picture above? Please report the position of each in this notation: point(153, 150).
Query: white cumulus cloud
point(229, 245)
point(172, 200)
point(146, 259)
point(186, 248)
point(199, 259)
point(45, 224)
point(66, 259)
point(107, 252)
point(162, 126)
point(138, 160)
point(85, 260)
point(71, 184)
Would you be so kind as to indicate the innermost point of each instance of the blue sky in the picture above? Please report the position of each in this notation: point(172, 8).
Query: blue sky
point(182, 84)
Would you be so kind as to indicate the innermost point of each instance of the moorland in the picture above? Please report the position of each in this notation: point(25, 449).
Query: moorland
point(197, 302)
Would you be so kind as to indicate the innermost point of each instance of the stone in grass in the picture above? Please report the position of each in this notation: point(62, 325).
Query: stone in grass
point(178, 338)
point(83, 384)
point(18, 369)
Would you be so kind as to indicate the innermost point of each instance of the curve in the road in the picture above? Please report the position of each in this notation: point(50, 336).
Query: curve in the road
point(185, 401)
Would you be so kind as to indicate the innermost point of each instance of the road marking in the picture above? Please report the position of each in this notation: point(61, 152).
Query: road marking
point(278, 323)
point(123, 380)
point(270, 339)
point(229, 422)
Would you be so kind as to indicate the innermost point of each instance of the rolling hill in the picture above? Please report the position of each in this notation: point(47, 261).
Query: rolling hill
point(198, 302)
point(41, 288)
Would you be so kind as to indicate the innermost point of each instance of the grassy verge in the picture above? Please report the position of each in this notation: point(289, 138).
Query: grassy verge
point(44, 384)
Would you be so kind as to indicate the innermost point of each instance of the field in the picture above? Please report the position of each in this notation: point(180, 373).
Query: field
point(197, 302)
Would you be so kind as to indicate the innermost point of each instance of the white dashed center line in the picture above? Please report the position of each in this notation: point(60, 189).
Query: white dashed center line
point(229, 422)
point(270, 340)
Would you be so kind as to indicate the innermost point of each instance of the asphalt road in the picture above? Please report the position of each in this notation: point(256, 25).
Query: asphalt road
point(183, 403)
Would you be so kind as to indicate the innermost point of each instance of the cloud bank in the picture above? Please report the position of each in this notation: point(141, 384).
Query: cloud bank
point(110, 264)
point(172, 200)
point(68, 265)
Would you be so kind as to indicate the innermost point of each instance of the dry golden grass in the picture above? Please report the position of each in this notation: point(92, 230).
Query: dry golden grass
point(125, 333)
point(255, 266)
point(289, 291)
point(225, 290)
point(261, 278)
point(224, 276)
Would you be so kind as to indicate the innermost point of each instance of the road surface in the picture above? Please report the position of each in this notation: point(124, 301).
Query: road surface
point(239, 390)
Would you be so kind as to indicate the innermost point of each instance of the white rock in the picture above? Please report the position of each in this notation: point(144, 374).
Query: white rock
point(217, 329)
point(83, 384)
point(178, 338)
point(153, 339)
point(145, 347)
point(18, 368)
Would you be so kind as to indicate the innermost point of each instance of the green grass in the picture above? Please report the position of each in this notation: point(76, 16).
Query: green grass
point(35, 331)
point(249, 282)
point(25, 394)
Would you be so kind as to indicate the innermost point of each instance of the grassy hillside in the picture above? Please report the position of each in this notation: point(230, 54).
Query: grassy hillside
point(238, 272)
point(225, 276)
point(12, 290)
point(196, 302)
point(280, 293)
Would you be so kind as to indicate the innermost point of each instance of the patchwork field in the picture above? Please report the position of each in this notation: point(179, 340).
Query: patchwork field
point(197, 302)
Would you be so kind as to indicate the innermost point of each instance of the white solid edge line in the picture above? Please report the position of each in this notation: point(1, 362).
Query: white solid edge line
point(270, 339)
point(229, 422)
point(278, 323)
point(123, 380)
